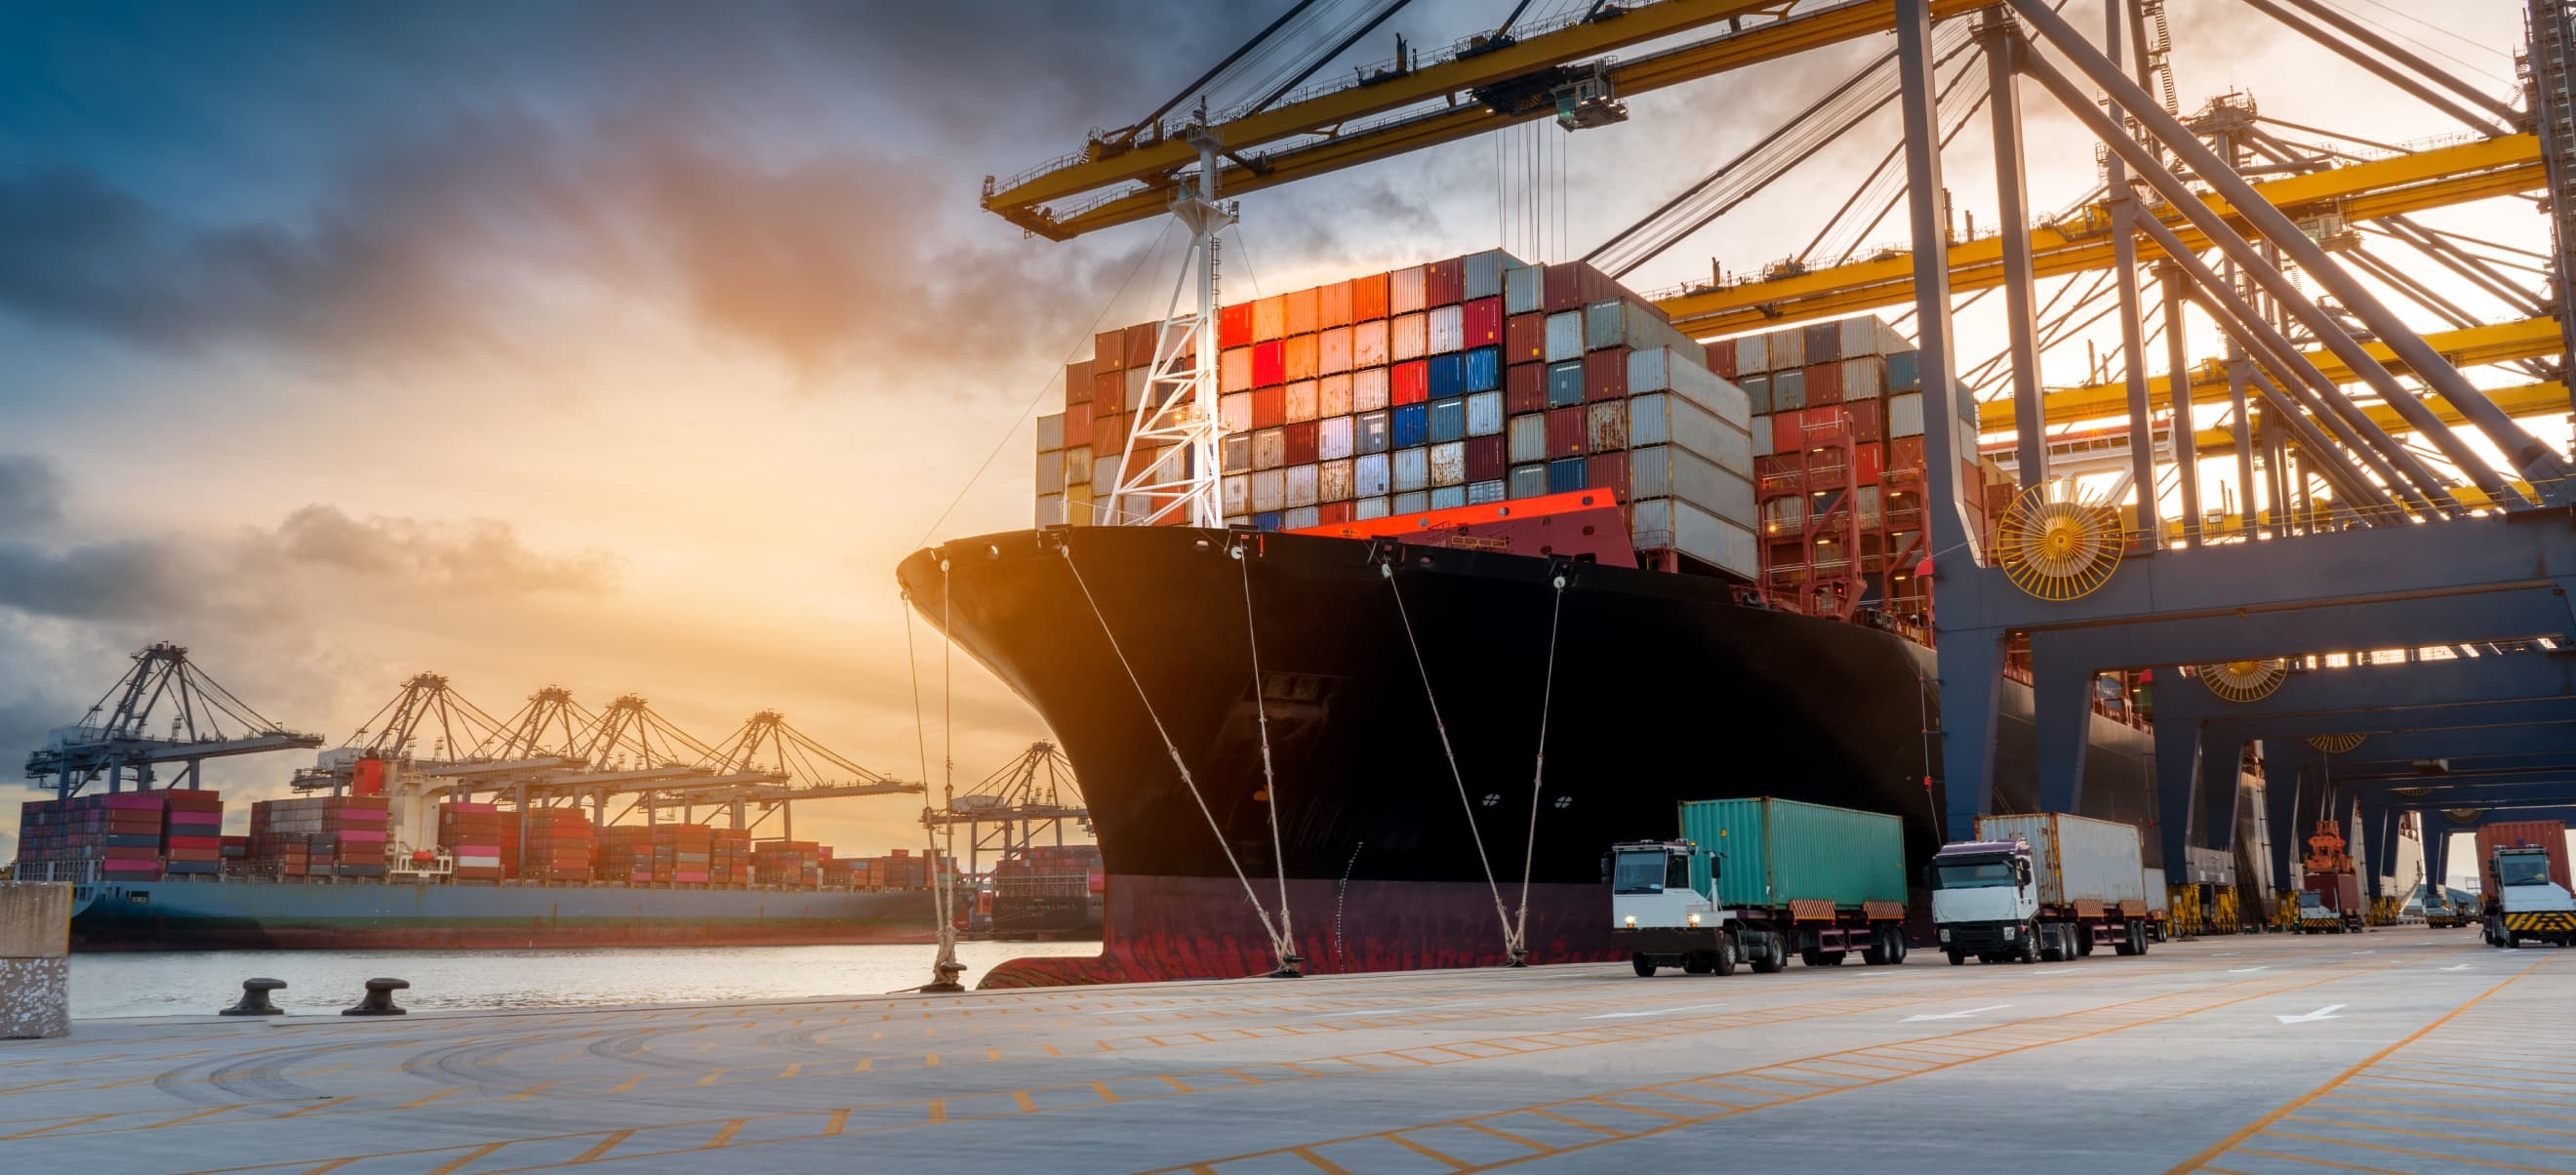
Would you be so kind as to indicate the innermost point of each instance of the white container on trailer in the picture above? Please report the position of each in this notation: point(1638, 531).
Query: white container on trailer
point(2076, 859)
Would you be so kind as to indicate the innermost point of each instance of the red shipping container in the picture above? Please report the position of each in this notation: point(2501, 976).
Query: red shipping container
point(1109, 431)
point(1234, 325)
point(1721, 358)
point(1269, 363)
point(1563, 286)
point(1270, 318)
point(1483, 322)
point(1269, 407)
point(1786, 434)
point(1301, 312)
point(1333, 306)
point(1445, 282)
point(1605, 375)
point(1487, 459)
point(1140, 343)
point(1868, 462)
point(1331, 513)
point(1566, 435)
point(1109, 391)
point(1301, 443)
point(1525, 338)
point(1409, 382)
point(1524, 389)
point(1608, 471)
point(1109, 351)
point(1824, 383)
point(1869, 419)
point(2549, 835)
point(1368, 297)
point(1077, 425)
point(1905, 454)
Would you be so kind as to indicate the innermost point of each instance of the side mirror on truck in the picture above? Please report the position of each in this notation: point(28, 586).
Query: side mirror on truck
point(2021, 872)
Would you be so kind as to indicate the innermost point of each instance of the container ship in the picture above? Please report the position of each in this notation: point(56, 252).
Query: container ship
point(1478, 512)
point(152, 871)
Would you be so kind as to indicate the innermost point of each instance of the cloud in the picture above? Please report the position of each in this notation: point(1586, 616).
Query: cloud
point(31, 493)
point(476, 555)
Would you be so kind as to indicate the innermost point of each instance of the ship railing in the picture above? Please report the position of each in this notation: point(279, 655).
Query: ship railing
point(56, 872)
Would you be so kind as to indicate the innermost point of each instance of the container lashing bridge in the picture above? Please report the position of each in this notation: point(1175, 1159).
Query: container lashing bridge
point(2379, 593)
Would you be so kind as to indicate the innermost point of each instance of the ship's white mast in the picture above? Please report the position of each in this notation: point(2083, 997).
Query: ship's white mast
point(1177, 420)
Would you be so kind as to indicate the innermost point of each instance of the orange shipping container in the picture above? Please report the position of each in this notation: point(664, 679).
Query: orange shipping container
point(1300, 312)
point(1301, 357)
point(1368, 298)
point(1333, 350)
point(1333, 396)
point(1368, 344)
point(1333, 305)
point(1234, 370)
point(1301, 401)
point(1270, 318)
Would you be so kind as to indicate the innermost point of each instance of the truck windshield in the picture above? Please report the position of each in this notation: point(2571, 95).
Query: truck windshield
point(1644, 872)
point(2309, 900)
point(1972, 874)
point(2522, 869)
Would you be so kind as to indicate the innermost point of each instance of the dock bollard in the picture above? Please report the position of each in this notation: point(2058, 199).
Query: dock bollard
point(254, 1001)
point(35, 960)
point(380, 999)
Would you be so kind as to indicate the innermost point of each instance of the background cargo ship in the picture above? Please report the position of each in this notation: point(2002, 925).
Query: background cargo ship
point(1690, 660)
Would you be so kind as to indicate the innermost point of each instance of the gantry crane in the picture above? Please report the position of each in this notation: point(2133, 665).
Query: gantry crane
point(115, 742)
point(1034, 795)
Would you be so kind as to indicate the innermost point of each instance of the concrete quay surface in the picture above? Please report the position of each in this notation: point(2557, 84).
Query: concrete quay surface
point(2400, 1050)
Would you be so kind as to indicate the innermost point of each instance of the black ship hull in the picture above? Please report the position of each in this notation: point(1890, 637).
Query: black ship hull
point(1665, 688)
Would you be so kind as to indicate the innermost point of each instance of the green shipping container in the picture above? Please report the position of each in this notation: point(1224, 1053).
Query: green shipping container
point(1773, 851)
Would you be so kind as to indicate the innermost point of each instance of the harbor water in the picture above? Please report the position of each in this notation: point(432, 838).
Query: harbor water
point(177, 983)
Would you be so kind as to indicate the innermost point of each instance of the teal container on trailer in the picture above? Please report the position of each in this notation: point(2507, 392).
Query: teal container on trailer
point(1774, 851)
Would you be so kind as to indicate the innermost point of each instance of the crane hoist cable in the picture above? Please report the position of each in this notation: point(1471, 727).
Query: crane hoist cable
point(1511, 940)
point(1279, 943)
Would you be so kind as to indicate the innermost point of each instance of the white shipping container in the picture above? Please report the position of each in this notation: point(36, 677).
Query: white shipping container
point(1864, 378)
point(1077, 466)
point(1565, 336)
point(1370, 476)
point(1788, 348)
point(1663, 471)
point(1667, 369)
point(1752, 354)
point(1484, 414)
point(1528, 440)
point(1448, 497)
point(1302, 486)
point(1367, 508)
point(1234, 412)
point(1449, 464)
point(1905, 414)
point(1661, 418)
point(1868, 335)
point(1301, 518)
point(1673, 524)
point(1301, 401)
point(1051, 431)
point(1333, 481)
point(2076, 859)
point(2159, 899)
point(1412, 502)
point(1412, 470)
point(1269, 490)
point(1234, 493)
point(1524, 289)
point(1480, 493)
point(1050, 473)
point(1270, 448)
point(1050, 509)
point(1762, 436)
point(1448, 330)
point(1368, 389)
point(1104, 473)
point(1333, 437)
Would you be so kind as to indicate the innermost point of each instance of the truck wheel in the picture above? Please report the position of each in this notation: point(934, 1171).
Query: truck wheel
point(1811, 956)
point(1772, 958)
point(1695, 964)
point(1724, 964)
point(2083, 942)
point(1897, 946)
point(2126, 946)
point(2144, 939)
point(2050, 948)
point(2029, 950)
point(1957, 959)
point(1876, 954)
point(1645, 966)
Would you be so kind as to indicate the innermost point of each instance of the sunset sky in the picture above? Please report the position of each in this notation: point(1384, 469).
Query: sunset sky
point(627, 347)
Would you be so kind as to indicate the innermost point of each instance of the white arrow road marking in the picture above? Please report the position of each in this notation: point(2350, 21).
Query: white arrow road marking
point(2325, 1013)
point(2059, 971)
point(2457, 967)
point(2365, 952)
point(1652, 1012)
point(1956, 1015)
point(2224, 954)
point(2247, 970)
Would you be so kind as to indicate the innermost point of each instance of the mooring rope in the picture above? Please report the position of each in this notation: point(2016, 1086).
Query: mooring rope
point(1538, 775)
point(1510, 945)
point(1269, 778)
point(1277, 943)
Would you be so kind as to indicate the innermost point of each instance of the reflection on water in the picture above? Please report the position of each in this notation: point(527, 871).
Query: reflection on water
point(171, 983)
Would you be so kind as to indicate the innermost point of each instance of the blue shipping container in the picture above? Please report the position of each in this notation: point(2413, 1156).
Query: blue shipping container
point(1758, 389)
point(1448, 376)
point(1484, 369)
point(1904, 371)
point(1565, 384)
point(1448, 421)
point(1413, 425)
point(1565, 475)
point(1269, 520)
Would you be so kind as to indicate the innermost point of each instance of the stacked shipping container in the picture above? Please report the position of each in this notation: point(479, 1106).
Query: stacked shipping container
point(124, 836)
point(472, 834)
point(323, 836)
point(1465, 381)
point(556, 844)
point(192, 842)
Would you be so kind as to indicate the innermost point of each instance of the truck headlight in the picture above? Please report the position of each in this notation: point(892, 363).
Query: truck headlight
point(1694, 919)
point(1632, 919)
point(1945, 934)
point(2009, 931)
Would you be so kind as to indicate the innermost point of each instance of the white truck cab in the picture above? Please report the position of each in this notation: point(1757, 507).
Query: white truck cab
point(2528, 904)
point(1984, 902)
point(1661, 915)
